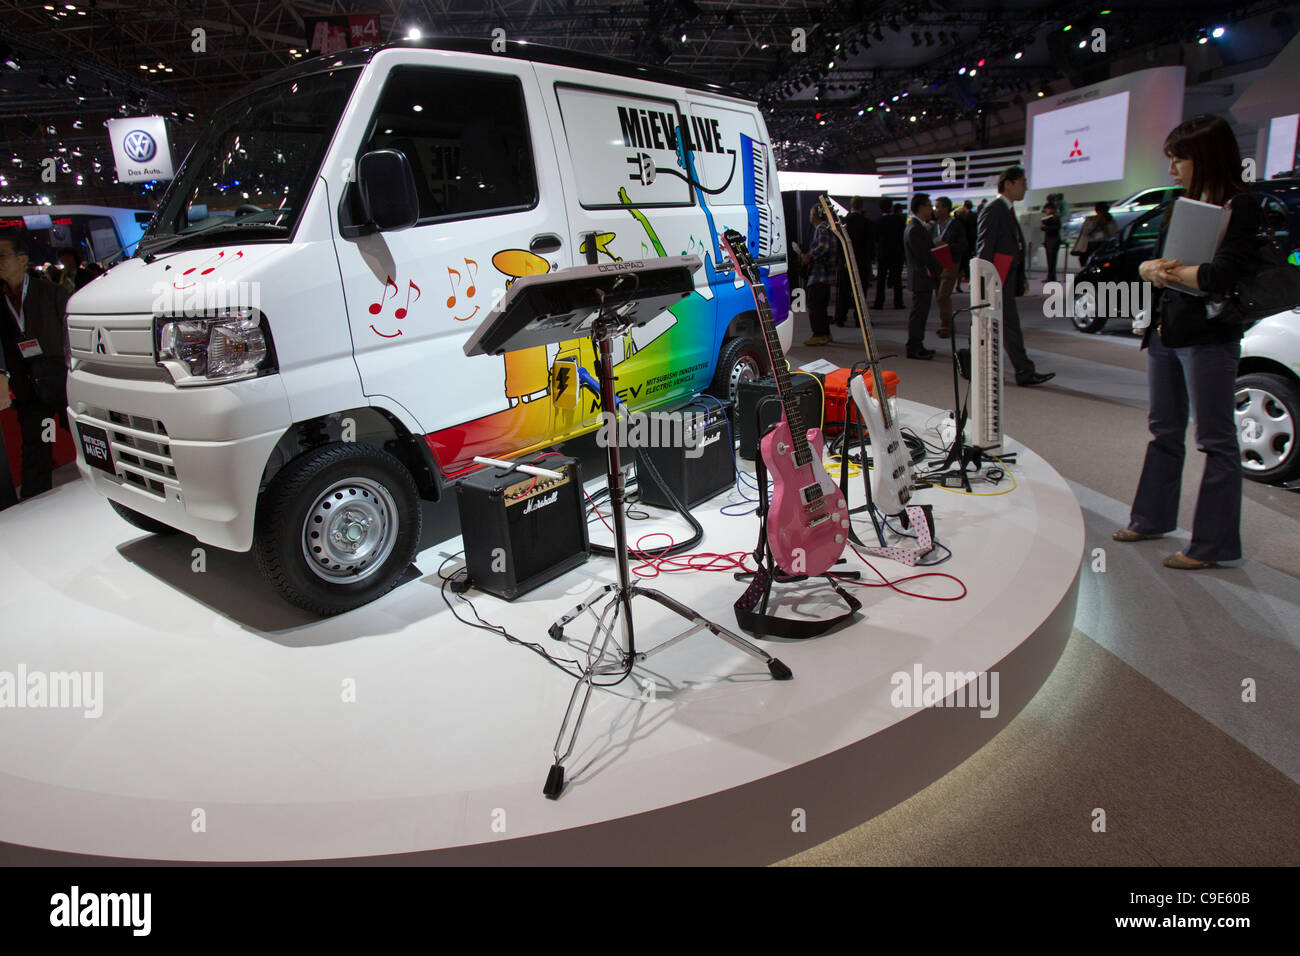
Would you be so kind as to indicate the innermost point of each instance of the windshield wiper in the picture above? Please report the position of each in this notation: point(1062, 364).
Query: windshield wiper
point(167, 242)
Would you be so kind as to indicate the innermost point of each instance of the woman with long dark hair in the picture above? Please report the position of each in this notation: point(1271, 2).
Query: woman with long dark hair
point(1192, 351)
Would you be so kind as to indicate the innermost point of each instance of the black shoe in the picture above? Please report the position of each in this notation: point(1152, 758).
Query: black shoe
point(921, 353)
point(1038, 378)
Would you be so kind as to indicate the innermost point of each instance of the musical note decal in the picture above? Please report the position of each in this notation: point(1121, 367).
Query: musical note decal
point(454, 277)
point(377, 307)
point(218, 260)
point(401, 313)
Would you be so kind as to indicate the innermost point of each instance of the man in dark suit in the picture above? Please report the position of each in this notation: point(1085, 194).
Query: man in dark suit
point(31, 343)
point(890, 235)
point(951, 232)
point(923, 271)
point(1001, 242)
point(858, 227)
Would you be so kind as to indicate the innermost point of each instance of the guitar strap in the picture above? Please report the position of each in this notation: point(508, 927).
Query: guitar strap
point(917, 519)
point(751, 607)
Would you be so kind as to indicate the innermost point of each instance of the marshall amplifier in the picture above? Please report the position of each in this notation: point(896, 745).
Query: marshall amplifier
point(695, 473)
point(749, 394)
point(521, 531)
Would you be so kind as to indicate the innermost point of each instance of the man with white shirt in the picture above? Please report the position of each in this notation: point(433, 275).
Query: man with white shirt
point(31, 357)
point(1001, 242)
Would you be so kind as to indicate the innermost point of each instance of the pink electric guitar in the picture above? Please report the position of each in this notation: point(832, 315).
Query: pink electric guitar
point(808, 519)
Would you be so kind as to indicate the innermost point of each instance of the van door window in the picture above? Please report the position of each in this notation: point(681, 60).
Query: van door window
point(466, 137)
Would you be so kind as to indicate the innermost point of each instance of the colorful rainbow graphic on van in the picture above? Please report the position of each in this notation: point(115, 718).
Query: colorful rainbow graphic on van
point(665, 361)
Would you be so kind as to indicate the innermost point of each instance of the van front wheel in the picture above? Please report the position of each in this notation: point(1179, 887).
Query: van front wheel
point(338, 527)
point(741, 360)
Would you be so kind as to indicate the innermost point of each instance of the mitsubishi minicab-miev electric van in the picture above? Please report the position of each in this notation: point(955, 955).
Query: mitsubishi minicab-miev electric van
point(280, 367)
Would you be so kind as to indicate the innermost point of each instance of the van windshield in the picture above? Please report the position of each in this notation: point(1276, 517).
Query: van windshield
point(256, 163)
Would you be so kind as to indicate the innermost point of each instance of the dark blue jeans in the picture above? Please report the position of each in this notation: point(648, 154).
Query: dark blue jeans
point(1202, 379)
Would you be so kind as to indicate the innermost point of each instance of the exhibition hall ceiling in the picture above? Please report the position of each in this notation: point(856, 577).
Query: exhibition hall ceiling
point(841, 82)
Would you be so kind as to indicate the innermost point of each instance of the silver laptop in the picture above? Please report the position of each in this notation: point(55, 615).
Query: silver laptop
point(1195, 232)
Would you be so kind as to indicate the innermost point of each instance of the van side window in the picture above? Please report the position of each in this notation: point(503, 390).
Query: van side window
point(466, 136)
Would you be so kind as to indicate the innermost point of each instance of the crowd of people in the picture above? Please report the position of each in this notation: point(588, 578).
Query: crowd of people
point(934, 246)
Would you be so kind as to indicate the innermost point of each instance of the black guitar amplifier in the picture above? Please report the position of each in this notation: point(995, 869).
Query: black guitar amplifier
point(521, 531)
point(749, 394)
point(699, 472)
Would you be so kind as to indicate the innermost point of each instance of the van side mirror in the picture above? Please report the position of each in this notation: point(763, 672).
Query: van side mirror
point(386, 188)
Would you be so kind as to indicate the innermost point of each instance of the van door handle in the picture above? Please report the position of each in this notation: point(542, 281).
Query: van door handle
point(545, 244)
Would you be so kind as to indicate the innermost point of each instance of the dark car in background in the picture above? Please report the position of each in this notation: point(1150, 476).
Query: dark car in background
point(1117, 259)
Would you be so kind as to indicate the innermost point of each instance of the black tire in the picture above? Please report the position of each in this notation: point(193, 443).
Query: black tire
point(742, 359)
point(143, 522)
point(1089, 322)
point(302, 504)
point(1268, 414)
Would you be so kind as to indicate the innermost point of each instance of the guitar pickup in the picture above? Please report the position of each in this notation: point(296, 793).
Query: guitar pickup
point(817, 521)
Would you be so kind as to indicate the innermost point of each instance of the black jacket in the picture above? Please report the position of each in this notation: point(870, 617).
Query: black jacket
point(953, 232)
point(922, 267)
point(40, 378)
point(890, 232)
point(858, 226)
point(1181, 318)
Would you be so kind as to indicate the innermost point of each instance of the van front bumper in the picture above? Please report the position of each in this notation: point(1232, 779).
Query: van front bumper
point(191, 458)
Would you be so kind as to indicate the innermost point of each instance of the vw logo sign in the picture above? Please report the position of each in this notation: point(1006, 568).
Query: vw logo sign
point(139, 146)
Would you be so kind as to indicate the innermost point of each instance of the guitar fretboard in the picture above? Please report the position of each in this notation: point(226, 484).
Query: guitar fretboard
point(735, 247)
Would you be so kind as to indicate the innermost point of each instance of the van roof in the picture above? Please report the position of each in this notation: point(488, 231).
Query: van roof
point(515, 49)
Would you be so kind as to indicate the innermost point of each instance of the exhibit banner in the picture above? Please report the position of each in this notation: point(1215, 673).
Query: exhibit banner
point(331, 34)
point(141, 149)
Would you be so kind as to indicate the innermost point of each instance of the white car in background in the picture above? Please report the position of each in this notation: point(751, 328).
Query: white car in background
point(1268, 398)
point(1123, 212)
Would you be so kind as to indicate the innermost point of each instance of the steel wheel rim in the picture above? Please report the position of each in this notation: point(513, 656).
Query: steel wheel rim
point(350, 530)
point(1265, 429)
point(745, 369)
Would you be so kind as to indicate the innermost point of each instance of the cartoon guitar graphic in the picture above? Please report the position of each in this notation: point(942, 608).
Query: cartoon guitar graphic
point(891, 473)
point(808, 520)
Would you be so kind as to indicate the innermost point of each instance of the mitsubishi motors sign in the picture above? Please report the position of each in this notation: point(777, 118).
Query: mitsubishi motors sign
point(140, 149)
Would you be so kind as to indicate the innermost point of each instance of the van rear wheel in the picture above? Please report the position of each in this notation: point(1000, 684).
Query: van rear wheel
point(338, 527)
point(741, 360)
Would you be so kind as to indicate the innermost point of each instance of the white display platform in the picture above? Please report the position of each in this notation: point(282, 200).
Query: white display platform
point(225, 734)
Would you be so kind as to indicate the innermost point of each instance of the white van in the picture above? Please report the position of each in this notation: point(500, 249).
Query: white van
point(280, 367)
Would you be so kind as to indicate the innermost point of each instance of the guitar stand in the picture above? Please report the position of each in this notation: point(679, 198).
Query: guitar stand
point(759, 592)
point(605, 656)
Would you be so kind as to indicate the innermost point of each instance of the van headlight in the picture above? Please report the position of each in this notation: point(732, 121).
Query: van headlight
point(226, 345)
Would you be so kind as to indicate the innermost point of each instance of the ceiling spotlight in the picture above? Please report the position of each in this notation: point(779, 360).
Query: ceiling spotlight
point(1040, 92)
point(972, 72)
point(1202, 36)
point(1084, 43)
point(1019, 54)
point(413, 33)
point(1218, 32)
point(861, 112)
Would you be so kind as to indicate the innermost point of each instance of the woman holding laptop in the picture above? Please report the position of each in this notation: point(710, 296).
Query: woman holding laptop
point(1192, 351)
